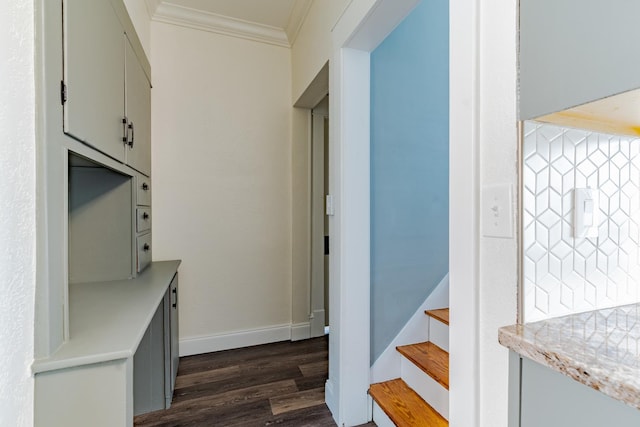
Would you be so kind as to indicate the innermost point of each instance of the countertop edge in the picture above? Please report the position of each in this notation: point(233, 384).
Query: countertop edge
point(572, 368)
point(72, 353)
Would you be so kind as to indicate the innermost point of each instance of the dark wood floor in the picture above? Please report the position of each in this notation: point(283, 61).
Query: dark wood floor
point(274, 384)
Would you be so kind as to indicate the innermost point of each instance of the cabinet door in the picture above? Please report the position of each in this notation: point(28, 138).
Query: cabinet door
point(94, 75)
point(149, 367)
point(564, 61)
point(175, 353)
point(138, 112)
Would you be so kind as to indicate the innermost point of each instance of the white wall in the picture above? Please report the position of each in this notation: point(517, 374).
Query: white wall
point(139, 15)
point(221, 180)
point(17, 216)
point(312, 48)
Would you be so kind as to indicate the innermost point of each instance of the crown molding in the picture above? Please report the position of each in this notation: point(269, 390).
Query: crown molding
point(152, 6)
point(297, 16)
point(211, 22)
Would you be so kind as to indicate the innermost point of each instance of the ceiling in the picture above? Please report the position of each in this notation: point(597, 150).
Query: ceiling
point(284, 16)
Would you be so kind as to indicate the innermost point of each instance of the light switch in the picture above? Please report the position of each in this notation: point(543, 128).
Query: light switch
point(497, 211)
point(585, 213)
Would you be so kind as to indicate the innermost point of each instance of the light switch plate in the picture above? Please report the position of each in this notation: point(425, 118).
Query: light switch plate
point(497, 211)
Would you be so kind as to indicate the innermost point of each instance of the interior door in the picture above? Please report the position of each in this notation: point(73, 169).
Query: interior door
point(94, 75)
point(318, 141)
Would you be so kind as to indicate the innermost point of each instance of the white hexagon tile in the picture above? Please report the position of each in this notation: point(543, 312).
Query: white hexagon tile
point(563, 274)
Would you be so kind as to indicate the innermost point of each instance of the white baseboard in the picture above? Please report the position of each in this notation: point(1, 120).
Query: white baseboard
point(317, 323)
point(300, 331)
point(330, 399)
point(387, 365)
point(207, 344)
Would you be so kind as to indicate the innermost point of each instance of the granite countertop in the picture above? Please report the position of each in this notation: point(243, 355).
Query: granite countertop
point(600, 348)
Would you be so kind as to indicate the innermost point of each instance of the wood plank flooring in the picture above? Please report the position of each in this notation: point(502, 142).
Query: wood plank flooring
point(274, 384)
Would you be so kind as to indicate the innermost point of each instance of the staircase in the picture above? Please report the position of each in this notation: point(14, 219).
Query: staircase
point(421, 396)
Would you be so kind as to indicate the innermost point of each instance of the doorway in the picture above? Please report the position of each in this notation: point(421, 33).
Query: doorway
point(320, 245)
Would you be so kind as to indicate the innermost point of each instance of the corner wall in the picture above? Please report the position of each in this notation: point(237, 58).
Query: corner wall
point(18, 214)
point(221, 183)
point(310, 52)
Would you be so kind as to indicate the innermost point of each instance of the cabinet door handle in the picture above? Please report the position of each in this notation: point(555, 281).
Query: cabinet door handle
point(146, 247)
point(133, 137)
point(175, 292)
point(145, 215)
point(125, 130)
point(145, 186)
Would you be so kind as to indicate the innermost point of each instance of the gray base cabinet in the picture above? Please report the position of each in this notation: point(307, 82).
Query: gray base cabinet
point(155, 363)
point(540, 396)
point(172, 353)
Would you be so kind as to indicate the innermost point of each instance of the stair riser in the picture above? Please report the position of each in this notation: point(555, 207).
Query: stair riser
point(380, 418)
point(431, 391)
point(439, 334)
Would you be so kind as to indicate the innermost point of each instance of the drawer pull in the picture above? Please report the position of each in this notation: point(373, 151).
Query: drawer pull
point(131, 127)
point(145, 216)
point(145, 186)
point(146, 247)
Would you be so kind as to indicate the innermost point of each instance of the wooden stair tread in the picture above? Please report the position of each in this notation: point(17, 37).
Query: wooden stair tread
point(441, 314)
point(404, 406)
point(433, 360)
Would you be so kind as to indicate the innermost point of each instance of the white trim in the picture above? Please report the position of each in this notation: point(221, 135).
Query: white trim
point(152, 6)
point(464, 213)
point(211, 22)
point(210, 343)
point(349, 341)
point(387, 365)
point(300, 331)
point(330, 397)
point(317, 328)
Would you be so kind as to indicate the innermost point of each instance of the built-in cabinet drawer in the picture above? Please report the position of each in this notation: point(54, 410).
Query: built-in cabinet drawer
point(143, 219)
point(143, 251)
point(143, 193)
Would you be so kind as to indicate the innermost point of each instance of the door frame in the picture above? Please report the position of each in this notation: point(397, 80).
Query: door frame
point(361, 28)
point(319, 114)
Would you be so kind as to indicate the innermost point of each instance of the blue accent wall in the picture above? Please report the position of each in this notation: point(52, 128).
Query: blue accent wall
point(409, 168)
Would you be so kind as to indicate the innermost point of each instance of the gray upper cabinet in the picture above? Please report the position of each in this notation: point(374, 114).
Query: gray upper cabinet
point(138, 106)
point(94, 75)
point(575, 51)
point(106, 93)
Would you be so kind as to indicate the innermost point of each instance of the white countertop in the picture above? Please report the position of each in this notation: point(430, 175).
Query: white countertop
point(109, 319)
point(600, 348)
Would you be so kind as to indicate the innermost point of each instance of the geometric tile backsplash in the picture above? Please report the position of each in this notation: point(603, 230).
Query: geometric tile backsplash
point(563, 274)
